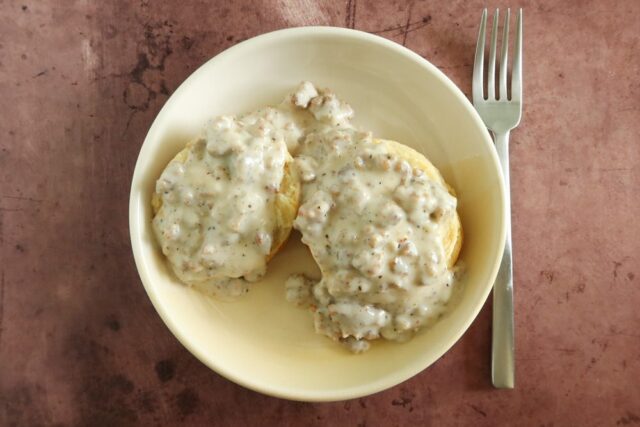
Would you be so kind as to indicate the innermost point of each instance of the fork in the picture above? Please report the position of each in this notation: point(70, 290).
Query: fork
point(500, 114)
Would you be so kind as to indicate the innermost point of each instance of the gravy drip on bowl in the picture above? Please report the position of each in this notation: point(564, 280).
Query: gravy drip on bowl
point(375, 226)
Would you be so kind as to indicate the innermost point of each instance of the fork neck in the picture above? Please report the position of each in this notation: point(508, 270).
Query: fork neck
point(502, 148)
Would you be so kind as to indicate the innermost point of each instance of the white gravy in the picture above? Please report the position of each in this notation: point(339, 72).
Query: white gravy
point(373, 223)
point(216, 224)
point(375, 227)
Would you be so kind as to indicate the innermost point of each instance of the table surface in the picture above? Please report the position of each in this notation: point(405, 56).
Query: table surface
point(80, 343)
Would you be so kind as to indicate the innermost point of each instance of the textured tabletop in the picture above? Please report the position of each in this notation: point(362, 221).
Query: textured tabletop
point(80, 343)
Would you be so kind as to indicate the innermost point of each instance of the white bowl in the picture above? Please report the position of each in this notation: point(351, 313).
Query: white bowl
point(261, 341)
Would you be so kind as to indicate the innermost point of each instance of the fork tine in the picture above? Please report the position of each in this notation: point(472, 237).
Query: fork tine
point(516, 76)
point(491, 78)
point(504, 57)
point(478, 65)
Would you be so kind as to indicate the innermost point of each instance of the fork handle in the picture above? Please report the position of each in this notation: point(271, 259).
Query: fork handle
point(502, 341)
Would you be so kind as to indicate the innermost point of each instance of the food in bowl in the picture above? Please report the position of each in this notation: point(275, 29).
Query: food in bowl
point(377, 216)
point(380, 222)
point(225, 204)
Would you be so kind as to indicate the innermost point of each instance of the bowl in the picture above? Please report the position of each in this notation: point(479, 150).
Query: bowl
point(261, 341)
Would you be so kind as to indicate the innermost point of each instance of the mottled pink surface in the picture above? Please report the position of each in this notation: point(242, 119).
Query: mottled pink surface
point(80, 343)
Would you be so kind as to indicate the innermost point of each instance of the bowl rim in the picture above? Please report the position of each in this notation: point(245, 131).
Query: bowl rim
point(274, 389)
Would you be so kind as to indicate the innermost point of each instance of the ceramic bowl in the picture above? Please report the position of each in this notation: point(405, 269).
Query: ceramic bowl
point(260, 341)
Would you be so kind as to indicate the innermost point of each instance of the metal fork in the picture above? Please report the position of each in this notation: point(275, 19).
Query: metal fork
point(501, 114)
